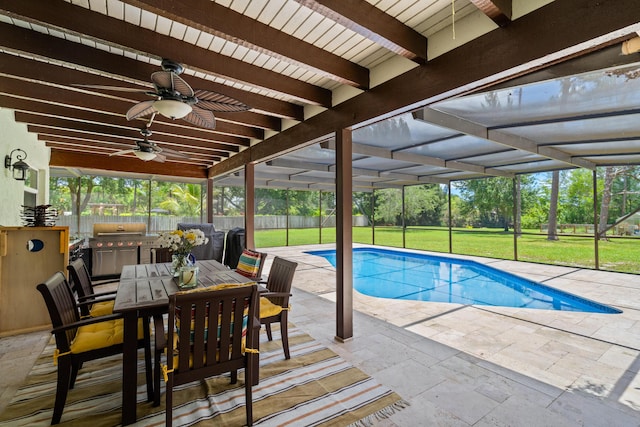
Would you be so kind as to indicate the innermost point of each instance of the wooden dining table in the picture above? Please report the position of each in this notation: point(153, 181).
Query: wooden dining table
point(143, 292)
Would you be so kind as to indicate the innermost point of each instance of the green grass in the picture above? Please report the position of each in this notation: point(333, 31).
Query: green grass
point(622, 255)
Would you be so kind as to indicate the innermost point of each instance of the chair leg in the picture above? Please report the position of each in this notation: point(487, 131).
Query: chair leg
point(169, 402)
point(62, 388)
point(75, 368)
point(156, 377)
point(248, 398)
point(147, 358)
point(284, 333)
point(267, 326)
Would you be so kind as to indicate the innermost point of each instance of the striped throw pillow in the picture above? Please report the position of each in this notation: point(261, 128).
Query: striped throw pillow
point(249, 263)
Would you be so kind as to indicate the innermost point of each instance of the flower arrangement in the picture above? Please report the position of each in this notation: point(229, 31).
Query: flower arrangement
point(182, 242)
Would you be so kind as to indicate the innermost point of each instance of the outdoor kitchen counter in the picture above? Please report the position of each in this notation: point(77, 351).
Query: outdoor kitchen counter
point(144, 290)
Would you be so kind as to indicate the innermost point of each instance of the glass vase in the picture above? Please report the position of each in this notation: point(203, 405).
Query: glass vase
point(188, 277)
point(180, 260)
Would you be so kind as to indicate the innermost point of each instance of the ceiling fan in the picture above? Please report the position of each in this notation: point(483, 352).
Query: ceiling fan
point(175, 99)
point(148, 150)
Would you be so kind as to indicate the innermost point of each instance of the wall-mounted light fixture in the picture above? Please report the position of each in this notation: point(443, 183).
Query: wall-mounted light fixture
point(19, 168)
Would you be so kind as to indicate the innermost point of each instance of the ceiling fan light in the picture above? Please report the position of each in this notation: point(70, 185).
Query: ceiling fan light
point(171, 108)
point(145, 155)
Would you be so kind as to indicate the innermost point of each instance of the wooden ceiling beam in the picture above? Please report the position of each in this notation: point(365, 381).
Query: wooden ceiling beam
point(108, 131)
point(370, 22)
point(120, 34)
point(498, 10)
point(51, 110)
point(70, 159)
point(117, 102)
point(117, 143)
point(31, 42)
point(234, 27)
point(110, 107)
point(80, 148)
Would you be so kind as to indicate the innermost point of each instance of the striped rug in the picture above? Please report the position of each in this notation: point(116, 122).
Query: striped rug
point(315, 387)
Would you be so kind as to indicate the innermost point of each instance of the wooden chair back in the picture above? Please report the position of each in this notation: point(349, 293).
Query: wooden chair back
point(80, 278)
point(162, 255)
point(216, 331)
point(66, 322)
point(62, 308)
point(280, 280)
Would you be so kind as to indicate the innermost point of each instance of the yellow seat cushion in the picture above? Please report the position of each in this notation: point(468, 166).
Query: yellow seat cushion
point(101, 308)
point(268, 309)
point(101, 335)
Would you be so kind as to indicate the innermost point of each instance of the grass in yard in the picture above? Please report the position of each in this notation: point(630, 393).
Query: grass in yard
point(622, 255)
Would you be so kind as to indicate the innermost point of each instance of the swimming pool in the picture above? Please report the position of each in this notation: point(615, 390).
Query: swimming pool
point(393, 274)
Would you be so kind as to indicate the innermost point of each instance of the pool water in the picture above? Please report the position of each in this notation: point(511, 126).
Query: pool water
point(393, 274)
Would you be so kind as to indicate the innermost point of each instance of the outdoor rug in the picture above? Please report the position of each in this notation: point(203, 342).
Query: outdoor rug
point(315, 387)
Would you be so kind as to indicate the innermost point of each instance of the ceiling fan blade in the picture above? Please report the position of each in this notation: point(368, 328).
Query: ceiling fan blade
point(119, 153)
point(141, 109)
point(161, 79)
point(201, 117)
point(171, 81)
point(181, 86)
point(117, 88)
point(213, 101)
point(173, 153)
point(159, 158)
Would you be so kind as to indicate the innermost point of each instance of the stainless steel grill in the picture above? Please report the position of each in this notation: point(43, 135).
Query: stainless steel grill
point(115, 245)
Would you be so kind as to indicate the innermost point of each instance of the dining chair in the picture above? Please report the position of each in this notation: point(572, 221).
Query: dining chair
point(97, 303)
point(205, 339)
point(161, 255)
point(274, 304)
point(82, 339)
point(250, 264)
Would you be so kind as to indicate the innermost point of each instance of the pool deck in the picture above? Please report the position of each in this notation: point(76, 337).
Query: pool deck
point(465, 365)
point(488, 366)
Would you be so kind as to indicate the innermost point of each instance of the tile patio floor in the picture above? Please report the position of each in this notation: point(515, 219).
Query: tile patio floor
point(465, 365)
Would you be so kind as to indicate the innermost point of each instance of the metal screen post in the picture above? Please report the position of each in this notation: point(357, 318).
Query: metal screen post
point(373, 217)
point(595, 219)
point(320, 220)
point(404, 224)
point(515, 220)
point(450, 217)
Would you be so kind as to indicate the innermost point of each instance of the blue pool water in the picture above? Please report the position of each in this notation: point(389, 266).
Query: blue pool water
point(386, 273)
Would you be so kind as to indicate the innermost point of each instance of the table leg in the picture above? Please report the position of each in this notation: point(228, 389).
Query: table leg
point(129, 368)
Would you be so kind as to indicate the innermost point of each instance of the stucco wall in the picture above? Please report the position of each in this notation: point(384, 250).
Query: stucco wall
point(15, 135)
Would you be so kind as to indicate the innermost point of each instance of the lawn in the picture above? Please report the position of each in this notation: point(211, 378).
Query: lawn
point(616, 254)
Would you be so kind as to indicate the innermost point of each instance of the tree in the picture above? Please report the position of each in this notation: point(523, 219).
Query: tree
point(424, 204)
point(491, 197)
point(553, 207)
point(183, 199)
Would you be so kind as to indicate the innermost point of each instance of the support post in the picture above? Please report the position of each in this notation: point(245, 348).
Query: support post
point(249, 205)
point(210, 201)
point(344, 236)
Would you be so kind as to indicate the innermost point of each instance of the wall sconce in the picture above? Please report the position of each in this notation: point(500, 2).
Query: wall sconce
point(19, 168)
